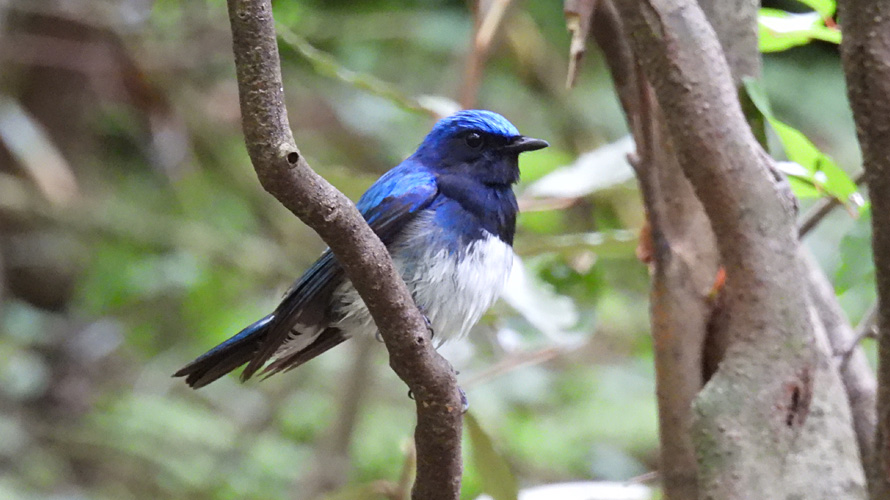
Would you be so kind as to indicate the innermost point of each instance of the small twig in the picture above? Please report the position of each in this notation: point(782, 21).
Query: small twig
point(327, 65)
point(578, 14)
point(822, 208)
point(646, 477)
point(513, 362)
point(488, 20)
point(867, 328)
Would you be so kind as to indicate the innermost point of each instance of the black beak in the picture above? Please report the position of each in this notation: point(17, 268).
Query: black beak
point(522, 144)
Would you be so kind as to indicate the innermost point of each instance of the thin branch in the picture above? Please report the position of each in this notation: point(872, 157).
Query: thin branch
point(578, 14)
point(489, 15)
point(822, 208)
point(330, 461)
point(284, 173)
point(856, 374)
point(865, 329)
point(327, 65)
point(513, 362)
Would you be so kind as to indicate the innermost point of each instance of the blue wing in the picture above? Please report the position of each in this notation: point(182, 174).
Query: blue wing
point(396, 198)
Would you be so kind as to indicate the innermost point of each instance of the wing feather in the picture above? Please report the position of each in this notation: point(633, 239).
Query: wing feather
point(396, 198)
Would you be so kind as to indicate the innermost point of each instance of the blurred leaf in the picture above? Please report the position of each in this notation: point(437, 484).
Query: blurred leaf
point(855, 269)
point(780, 30)
point(825, 173)
point(362, 492)
point(810, 171)
point(803, 188)
point(497, 480)
point(590, 490)
point(600, 169)
point(824, 7)
point(539, 304)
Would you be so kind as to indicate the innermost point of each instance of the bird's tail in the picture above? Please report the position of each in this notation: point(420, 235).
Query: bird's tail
point(227, 356)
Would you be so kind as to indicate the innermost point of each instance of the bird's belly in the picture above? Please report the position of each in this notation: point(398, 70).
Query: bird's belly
point(453, 290)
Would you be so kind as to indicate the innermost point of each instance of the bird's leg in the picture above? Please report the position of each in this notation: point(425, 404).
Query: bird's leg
point(464, 402)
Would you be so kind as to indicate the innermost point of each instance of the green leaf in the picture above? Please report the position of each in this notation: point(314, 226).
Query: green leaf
point(779, 30)
point(824, 7)
point(819, 173)
point(497, 480)
point(826, 174)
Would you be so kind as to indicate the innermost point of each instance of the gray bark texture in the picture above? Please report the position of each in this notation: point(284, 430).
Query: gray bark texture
point(684, 260)
point(865, 52)
point(772, 421)
point(284, 173)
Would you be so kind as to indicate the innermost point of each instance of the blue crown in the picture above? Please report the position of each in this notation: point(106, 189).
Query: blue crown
point(474, 119)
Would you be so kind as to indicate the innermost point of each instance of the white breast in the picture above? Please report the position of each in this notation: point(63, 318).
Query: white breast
point(453, 293)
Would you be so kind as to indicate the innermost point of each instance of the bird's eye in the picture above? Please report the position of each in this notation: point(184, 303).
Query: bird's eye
point(474, 140)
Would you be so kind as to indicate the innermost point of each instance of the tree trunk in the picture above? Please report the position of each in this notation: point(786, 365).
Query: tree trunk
point(773, 421)
point(865, 52)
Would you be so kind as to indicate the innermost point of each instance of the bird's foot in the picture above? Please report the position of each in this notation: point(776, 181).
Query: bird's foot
point(426, 320)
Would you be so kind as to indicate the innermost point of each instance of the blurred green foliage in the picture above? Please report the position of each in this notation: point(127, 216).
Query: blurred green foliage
point(171, 246)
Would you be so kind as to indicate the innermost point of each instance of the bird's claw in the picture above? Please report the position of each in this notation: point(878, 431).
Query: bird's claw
point(429, 324)
point(464, 402)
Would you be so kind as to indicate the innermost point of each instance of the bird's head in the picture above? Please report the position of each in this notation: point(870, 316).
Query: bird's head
point(479, 144)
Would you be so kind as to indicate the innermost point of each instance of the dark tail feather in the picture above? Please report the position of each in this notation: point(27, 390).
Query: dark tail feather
point(327, 339)
point(227, 356)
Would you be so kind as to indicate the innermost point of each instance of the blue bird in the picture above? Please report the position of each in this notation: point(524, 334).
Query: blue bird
point(447, 215)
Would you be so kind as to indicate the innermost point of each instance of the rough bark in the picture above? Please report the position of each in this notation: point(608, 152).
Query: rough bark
point(284, 173)
point(767, 418)
point(865, 53)
point(684, 260)
point(856, 374)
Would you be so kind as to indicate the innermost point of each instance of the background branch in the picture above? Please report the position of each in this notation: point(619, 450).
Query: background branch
point(285, 174)
point(857, 376)
point(682, 268)
point(820, 209)
point(865, 52)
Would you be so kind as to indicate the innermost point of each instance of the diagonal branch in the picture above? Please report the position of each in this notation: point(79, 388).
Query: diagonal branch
point(284, 173)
